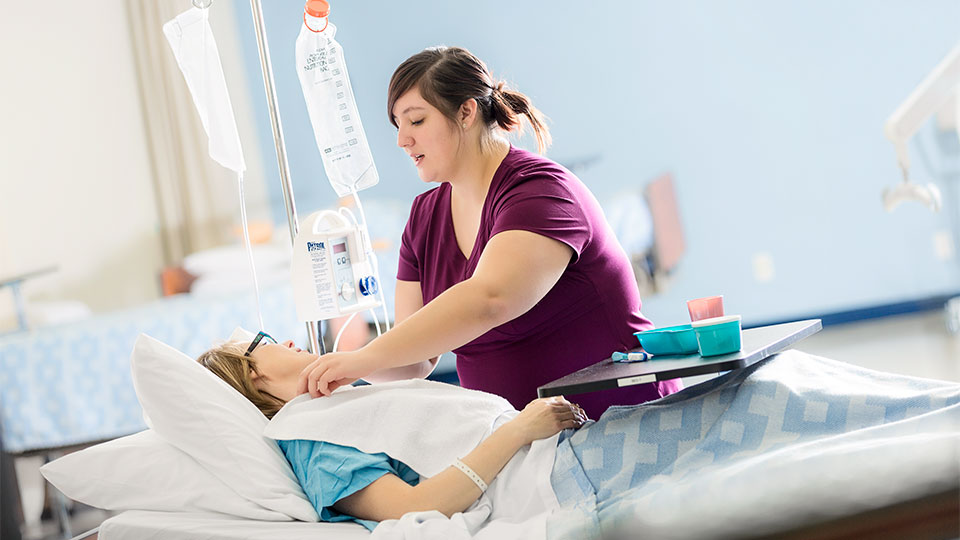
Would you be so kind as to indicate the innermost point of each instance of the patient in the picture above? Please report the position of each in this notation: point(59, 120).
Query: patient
point(344, 483)
point(634, 457)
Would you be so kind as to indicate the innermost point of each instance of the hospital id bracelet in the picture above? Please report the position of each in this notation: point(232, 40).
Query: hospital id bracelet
point(471, 475)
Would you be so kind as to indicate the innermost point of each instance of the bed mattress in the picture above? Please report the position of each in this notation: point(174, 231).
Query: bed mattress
point(141, 525)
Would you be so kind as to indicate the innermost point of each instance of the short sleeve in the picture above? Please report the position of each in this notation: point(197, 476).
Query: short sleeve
point(409, 267)
point(330, 472)
point(542, 204)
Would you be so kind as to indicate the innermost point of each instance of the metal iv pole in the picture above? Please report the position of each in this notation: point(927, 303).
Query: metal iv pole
point(313, 329)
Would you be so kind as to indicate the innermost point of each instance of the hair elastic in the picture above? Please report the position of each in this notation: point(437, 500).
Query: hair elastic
point(471, 474)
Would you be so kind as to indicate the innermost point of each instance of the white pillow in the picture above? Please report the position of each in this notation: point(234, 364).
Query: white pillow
point(234, 258)
point(144, 472)
point(224, 283)
point(192, 409)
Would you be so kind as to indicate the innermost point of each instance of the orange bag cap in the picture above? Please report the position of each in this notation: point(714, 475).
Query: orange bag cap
point(317, 8)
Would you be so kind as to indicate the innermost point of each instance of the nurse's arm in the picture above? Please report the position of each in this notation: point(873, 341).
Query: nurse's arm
point(515, 271)
point(407, 301)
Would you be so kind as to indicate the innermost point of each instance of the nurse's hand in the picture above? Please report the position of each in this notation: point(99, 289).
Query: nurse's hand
point(544, 417)
point(333, 370)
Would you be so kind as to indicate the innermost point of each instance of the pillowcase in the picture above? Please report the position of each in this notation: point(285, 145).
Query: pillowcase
point(233, 283)
point(234, 259)
point(195, 411)
point(144, 472)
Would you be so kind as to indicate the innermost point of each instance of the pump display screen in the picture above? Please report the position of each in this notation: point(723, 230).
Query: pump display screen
point(339, 248)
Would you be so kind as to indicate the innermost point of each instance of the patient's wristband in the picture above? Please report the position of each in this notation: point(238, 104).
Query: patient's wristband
point(471, 474)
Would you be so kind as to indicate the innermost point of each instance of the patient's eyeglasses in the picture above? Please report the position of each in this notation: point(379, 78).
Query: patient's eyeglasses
point(256, 341)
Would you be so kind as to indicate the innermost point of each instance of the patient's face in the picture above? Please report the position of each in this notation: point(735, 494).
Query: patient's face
point(280, 365)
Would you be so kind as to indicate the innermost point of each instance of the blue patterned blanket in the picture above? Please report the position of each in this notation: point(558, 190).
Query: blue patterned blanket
point(793, 439)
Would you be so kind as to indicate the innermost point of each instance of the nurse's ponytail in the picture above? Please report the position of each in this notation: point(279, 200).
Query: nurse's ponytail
point(448, 76)
point(507, 107)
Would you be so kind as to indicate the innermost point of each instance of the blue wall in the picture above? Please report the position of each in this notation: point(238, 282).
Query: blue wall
point(770, 115)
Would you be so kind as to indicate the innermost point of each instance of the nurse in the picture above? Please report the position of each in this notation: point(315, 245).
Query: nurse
point(508, 261)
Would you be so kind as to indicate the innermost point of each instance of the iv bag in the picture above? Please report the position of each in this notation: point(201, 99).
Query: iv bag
point(191, 39)
point(333, 112)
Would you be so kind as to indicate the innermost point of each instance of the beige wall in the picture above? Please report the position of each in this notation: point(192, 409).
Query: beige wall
point(75, 175)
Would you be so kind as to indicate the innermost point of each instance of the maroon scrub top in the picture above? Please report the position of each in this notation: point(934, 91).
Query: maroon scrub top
point(592, 311)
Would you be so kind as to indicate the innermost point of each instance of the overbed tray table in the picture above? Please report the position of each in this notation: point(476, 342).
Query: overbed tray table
point(757, 343)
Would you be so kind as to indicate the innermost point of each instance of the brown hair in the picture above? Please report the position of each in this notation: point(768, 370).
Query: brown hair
point(229, 363)
point(448, 76)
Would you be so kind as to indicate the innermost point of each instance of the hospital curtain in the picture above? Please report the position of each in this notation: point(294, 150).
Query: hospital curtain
point(197, 200)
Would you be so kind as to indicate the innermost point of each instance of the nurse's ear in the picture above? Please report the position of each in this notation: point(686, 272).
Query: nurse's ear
point(467, 113)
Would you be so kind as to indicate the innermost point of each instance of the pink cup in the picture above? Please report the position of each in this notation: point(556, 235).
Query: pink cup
point(705, 308)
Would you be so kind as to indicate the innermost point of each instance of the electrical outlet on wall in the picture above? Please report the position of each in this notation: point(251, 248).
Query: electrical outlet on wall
point(763, 270)
point(943, 245)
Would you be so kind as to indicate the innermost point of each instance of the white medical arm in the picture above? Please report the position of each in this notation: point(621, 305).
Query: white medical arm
point(939, 86)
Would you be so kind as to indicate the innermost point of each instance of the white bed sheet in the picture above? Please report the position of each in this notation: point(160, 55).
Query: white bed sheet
point(142, 525)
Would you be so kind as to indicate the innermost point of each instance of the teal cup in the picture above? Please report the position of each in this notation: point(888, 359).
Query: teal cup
point(718, 335)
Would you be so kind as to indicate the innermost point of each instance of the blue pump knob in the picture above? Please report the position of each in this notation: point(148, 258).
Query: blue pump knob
point(369, 286)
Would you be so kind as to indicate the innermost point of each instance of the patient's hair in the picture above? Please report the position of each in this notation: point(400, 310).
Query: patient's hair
point(448, 76)
point(229, 363)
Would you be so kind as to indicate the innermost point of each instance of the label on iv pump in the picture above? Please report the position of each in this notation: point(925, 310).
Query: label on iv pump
point(339, 134)
point(322, 283)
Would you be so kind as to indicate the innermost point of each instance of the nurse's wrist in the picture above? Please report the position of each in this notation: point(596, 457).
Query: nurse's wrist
point(372, 352)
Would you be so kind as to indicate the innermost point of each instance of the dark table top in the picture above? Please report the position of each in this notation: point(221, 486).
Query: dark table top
point(756, 344)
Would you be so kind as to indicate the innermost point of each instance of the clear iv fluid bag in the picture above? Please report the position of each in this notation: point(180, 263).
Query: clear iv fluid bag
point(333, 111)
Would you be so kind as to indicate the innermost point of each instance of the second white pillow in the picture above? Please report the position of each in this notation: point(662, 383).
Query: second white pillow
point(144, 472)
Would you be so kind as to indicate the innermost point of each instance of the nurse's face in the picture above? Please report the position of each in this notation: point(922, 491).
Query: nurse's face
point(430, 139)
point(279, 365)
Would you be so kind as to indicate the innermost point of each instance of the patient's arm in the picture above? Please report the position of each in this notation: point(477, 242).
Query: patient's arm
point(451, 491)
point(407, 301)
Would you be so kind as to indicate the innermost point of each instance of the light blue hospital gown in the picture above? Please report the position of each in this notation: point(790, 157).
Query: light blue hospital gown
point(329, 472)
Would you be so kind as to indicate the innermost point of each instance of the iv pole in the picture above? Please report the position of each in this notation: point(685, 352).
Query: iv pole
point(315, 345)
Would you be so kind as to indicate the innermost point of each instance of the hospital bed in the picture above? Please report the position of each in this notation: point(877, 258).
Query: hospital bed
point(927, 515)
point(932, 516)
point(133, 525)
point(906, 489)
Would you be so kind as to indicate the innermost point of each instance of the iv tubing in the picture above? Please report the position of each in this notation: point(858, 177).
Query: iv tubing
point(375, 265)
point(376, 321)
point(313, 334)
point(336, 342)
point(365, 234)
point(246, 242)
point(383, 301)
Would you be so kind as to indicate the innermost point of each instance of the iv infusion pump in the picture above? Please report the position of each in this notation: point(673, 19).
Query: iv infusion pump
point(332, 270)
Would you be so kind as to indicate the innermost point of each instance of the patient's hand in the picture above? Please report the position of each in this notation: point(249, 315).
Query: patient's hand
point(544, 417)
